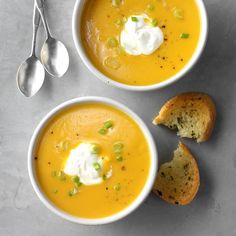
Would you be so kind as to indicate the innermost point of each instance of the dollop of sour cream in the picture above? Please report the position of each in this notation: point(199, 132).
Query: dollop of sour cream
point(82, 162)
point(139, 36)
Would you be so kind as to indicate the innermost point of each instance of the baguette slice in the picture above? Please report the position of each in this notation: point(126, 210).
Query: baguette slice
point(178, 180)
point(192, 114)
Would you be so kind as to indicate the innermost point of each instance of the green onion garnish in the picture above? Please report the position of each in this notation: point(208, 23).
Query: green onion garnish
point(178, 13)
point(108, 124)
point(96, 166)
point(118, 147)
point(135, 19)
point(117, 187)
point(102, 131)
point(55, 191)
point(154, 22)
point(150, 7)
point(62, 146)
point(95, 149)
point(120, 21)
point(104, 177)
point(116, 3)
point(119, 158)
point(73, 192)
point(184, 35)
point(59, 174)
point(112, 42)
point(76, 180)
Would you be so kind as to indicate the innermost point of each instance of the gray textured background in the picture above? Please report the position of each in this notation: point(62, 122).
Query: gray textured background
point(213, 212)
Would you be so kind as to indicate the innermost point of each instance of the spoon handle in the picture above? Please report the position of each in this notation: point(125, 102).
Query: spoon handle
point(36, 22)
point(40, 6)
point(36, 19)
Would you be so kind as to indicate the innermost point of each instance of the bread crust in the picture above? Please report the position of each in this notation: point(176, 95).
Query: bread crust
point(178, 199)
point(202, 101)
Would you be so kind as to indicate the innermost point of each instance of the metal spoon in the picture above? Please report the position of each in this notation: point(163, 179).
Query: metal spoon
point(30, 75)
point(54, 54)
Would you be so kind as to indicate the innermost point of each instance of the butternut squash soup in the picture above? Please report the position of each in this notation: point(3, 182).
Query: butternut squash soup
point(92, 160)
point(141, 42)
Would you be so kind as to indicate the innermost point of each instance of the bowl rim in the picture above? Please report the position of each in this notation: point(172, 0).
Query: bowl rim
point(76, 21)
point(150, 179)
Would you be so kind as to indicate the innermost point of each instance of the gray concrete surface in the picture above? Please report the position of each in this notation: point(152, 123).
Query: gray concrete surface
point(213, 212)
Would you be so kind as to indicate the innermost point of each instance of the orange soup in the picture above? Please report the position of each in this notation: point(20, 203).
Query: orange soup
point(92, 160)
point(104, 20)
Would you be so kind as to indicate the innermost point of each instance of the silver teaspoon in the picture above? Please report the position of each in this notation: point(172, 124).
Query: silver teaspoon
point(54, 54)
point(30, 75)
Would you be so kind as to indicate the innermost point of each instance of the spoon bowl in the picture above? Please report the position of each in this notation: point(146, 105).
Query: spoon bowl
point(30, 76)
point(55, 57)
point(54, 54)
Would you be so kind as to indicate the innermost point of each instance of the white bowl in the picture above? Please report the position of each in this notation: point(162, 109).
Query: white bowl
point(134, 205)
point(76, 21)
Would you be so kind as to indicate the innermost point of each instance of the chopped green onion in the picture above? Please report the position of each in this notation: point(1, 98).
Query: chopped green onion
point(135, 19)
point(118, 147)
point(102, 131)
point(119, 158)
point(104, 177)
point(150, 7)
point(117, 187)
point(112, 62)
point(120, 21)
point(73, 192)
point(116, 3)
point(178, 13)
point(55, 191)
point(108, 124)
point(76, 180)
point(96, 166)
point(95, 149)
point(154, 22)
point(184, 35)
point(112, 42)
point(62, 146)
point(61, 175)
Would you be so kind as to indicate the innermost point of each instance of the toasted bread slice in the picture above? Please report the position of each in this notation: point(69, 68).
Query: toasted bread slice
point(192, 114)
point(178, 180)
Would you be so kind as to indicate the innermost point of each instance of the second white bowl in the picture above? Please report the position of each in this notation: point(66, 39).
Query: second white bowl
point(76, 22)
point(143, 194)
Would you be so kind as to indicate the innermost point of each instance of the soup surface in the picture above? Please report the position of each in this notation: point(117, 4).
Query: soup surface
point(121, 147)
point(104, 20)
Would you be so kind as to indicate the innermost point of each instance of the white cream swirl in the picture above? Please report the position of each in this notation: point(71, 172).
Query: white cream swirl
point(139, 36)
point(82, 163)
